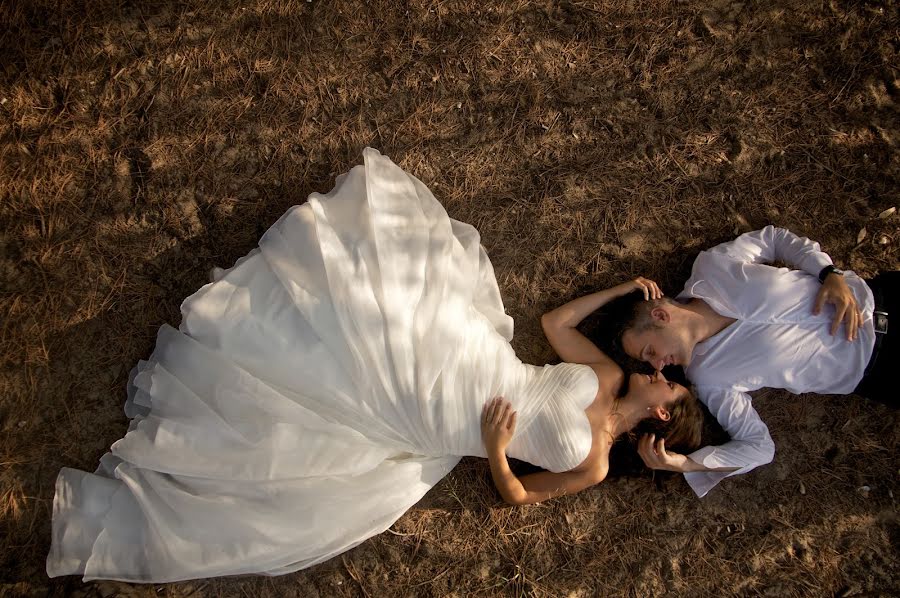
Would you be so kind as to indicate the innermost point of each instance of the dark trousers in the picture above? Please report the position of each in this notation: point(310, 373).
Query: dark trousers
point(880, 381)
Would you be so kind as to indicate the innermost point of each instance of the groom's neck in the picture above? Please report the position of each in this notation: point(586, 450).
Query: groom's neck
point(702, 321)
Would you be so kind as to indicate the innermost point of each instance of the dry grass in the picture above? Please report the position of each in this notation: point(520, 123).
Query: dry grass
point(143, 143)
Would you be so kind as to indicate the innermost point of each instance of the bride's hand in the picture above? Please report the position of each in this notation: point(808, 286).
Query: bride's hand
point(498, 424)
point(650, 289)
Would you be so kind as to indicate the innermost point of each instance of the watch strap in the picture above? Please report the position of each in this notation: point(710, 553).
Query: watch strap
point(829, 269)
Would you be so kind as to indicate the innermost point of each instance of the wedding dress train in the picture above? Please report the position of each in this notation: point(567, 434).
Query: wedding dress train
point(312, 394)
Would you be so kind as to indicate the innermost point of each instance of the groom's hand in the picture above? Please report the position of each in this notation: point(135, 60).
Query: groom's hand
point(655, 455)
point(836, 291)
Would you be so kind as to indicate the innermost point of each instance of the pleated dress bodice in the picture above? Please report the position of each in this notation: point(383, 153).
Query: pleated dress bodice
point(552, 429)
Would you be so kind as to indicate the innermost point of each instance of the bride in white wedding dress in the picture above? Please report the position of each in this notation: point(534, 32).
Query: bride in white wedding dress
point(319, 388)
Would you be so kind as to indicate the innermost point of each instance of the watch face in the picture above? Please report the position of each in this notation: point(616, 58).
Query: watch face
point(829, 270)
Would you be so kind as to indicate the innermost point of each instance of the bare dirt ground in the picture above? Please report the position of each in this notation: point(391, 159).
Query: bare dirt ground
point(142, 143)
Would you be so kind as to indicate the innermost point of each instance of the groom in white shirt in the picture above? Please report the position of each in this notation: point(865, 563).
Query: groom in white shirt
point(740, 324)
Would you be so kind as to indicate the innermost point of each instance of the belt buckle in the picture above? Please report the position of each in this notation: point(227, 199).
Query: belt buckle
point(880, 320)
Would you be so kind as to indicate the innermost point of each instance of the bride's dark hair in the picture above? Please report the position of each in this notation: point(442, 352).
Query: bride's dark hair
point(684, 432)
point(684, 428)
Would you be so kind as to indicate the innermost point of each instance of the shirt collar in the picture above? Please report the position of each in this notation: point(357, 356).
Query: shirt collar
point(694, 289)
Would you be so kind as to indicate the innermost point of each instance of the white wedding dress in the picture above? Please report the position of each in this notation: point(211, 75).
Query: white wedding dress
point(312, 394)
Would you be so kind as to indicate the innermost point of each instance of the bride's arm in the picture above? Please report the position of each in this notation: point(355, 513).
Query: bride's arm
point(560, 328)
point(498, 423)
point(537, 487)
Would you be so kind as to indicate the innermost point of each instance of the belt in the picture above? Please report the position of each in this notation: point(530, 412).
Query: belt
point(880, 321)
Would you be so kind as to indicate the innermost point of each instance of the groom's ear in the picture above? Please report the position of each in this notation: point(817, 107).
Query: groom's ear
point(660, 315)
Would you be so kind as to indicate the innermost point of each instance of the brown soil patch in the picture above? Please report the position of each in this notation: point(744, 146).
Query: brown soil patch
point(143, 143)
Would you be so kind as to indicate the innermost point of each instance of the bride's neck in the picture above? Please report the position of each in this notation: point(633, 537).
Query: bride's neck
point(625, 415)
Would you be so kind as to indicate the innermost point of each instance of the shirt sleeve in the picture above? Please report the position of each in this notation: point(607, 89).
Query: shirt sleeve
point(750, 445)
point(771, 243)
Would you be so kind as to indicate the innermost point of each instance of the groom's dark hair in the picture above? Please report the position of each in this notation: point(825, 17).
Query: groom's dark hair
point(629, 312)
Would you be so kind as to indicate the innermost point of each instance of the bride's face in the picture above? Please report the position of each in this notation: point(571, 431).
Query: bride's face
point(654, 390)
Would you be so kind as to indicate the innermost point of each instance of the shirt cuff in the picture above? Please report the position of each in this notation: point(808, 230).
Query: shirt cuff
point(702, 482)
point(815, 262)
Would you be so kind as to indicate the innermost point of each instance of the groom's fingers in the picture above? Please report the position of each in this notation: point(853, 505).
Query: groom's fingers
point(838, 318)
point(646, 450)
point(820, 302)
point(661, 447)
point(853, 323)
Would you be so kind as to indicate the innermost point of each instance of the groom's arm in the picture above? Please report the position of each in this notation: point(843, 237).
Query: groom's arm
point(750, 446)
point(655, 456)
point(771, 244)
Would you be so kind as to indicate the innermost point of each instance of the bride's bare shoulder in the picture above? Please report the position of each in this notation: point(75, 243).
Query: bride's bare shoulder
point(610, 379)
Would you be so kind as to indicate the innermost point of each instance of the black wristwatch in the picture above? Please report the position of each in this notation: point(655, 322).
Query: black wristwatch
point(829, 270)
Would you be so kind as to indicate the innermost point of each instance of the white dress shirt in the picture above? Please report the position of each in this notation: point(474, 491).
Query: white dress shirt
point(776, 341)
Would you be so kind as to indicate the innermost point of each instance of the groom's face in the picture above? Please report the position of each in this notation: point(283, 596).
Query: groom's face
point(666, 343)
